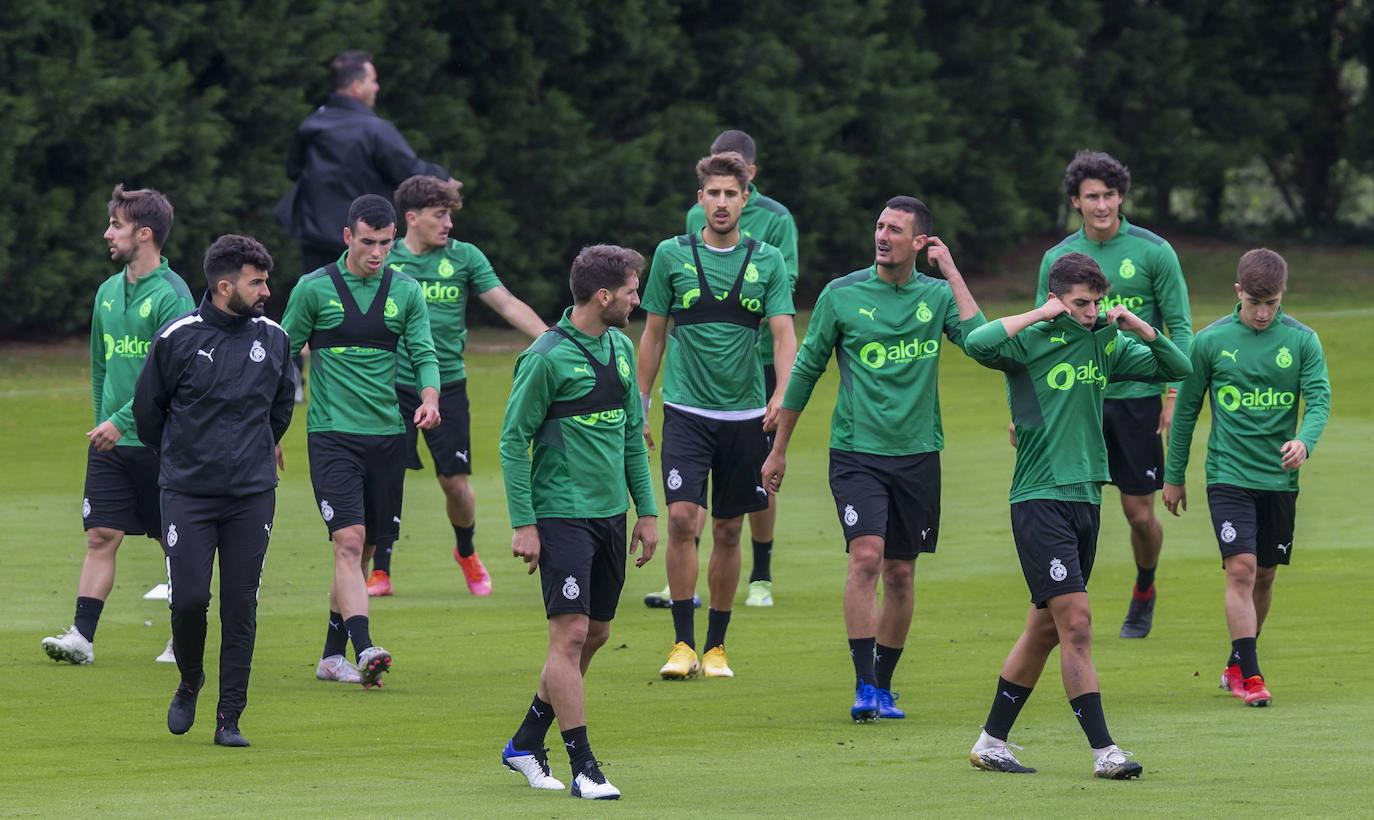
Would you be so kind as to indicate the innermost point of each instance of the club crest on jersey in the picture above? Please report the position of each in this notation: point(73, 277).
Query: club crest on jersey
point(172, 535)
point(85, 508)
point(392, 310)
point(570, 588)
point(623, 366)
point(851, 516)
point(445, 268)
point(1058, 571)
point(1284, 359)
point(326, 511)
point(674, 479)
point(256, 352)
point(1228, 532)
point(1127, 269)
point(146, 309)
point(751, 273)
point(923, 313)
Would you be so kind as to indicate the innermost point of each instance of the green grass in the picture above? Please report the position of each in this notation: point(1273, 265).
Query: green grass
point(776, 740)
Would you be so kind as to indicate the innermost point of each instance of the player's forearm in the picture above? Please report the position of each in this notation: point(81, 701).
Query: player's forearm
point(784, 357)
point(787, 422)
point(963, 297)
point(650, 354)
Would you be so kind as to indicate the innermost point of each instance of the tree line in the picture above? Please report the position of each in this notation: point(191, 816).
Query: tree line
point(575, 123)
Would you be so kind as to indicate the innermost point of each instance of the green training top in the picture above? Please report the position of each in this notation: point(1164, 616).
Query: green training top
point(1057, 374)
point(1145, 277)
point(353, 389)
point(766, 220)
point(1254, 378)
point(447, 276)
point(123, 321)
point(886, 340)
point(581, 464)
point(715, 366)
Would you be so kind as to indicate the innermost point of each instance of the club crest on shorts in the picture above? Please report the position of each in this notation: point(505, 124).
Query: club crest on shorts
point(674, 479)
point(85, 508)
point(326, 511)
point(256, 352)
point(1058, 571)
point(1228, 532)
point(570, 588)
point(851, 516)
point(171, 535)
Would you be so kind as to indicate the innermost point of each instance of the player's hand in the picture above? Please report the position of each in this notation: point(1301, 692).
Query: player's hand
point(105, 436)
point(1011, 434)
point(774, 468)
point(1126, 320)
point(1294, 454)
point(281, 462)
point(770, 414)
point(1175, 496)
point(938, 254)
point(427, 416)
point(648, 437)
point(1052, 308)
point(1166, 418)
point(646, 533)
point(525, 544)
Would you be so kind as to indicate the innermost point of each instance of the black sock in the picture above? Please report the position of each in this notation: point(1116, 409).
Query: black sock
point(886, 663)
point(381, 559)
point(336, 639)
point(684, 613)
point(861, 651)
point(87, 616)
point(1244, 652)
point(357, 632)
point(763, 553)
point(538, 718)
point(1144, 578)
point(1006, 705)
point(716, 624)
point(463, 536)
point(1088, 709)
point(579, 750)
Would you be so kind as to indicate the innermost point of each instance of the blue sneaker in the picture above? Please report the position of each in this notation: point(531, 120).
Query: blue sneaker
point(865, 709)
point(887, 710)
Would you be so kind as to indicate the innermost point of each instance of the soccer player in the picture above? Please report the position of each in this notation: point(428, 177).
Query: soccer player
point(1145, 276)
point(448, 272)
point(1254, 365)
point(769, 221)
point(883, 323)
point(570, 446)
point(713, 396)
point(121, 494)
point(215, 397)
point(354, 313)
point(1058, 360)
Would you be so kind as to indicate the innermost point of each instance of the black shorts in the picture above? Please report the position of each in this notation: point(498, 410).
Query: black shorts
point(358, 480)
point(121, 491)
point(1135, 453)
point(582, 565)
point(450, 444)
point(1257, 522)
point(731, 452)
point(1056, 542)
point(896, 498)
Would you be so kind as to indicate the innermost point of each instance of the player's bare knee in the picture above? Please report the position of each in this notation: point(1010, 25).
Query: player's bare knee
point(1241, 572)
point(899, 577)
point(1264, 579)
point(682, 523)
point(598, 632)
point(103, 539)
point(726, 531)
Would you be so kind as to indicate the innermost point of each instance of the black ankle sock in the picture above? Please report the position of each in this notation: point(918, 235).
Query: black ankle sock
point(87, 616)
point(579, 750)
point(684, 613)
point(1087, 707)
point(861, 652)
point(336, 639)
point(538, 718)
point(1006, 705)
point(381, 559)
point(357, 632)
point(463, 536)
point(1144, 578)
point(763, 553)
point(885, 663)
point(716, 624)
point(1243, 652)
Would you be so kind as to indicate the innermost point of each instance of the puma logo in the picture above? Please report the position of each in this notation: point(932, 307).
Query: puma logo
point(869, 312)
point(1060, 338)
point(1009, 696)
point(336, 303)
point(537, 713)
point(463, 454)
point(1230, 354)
point(582, 368)
point(210, 355)
point(924, 533)
point(1284, 548)
point(1152, 472)
point(108, 303)
point(1078, 713)
point(399, 267)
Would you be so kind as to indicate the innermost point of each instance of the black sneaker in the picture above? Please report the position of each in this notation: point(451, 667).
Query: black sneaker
point(1141, 615)
point(182, 713)
point(227, 732)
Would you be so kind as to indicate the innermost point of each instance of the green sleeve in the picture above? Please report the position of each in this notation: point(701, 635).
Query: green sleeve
point(786, 236)
point(696, 218)
point(956, 329)
point(97, 362)
point(777, 297)
point(481, 275)
point(1042, 287)
point(170, 306)
point(1171, 295)
point(990, 346)
point(419, 344)
point(530, 395)
point(299, 319)
point(658, 293)
point(1187, 405)
point(1316, 392)
point(637, 476)
point(813, 354)
point(1158, 360)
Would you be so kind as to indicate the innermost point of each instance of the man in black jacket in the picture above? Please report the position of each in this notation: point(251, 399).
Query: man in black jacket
point(215, 397)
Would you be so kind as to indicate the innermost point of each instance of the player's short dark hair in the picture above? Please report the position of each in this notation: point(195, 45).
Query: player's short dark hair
point(228, 254)
point(1096, 165)
point(421, 191)
point(727, 164)
point(1262, 273)
point(348, 68)
point(602, 266)
point(921, 220)
point(737, 141)
point(143, 208)
point(375, 210)
point(1077, 269)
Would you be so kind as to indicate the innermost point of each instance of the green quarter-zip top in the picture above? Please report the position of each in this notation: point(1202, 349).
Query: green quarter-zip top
point(448, 277)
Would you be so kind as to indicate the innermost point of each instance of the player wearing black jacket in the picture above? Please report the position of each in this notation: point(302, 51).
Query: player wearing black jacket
point(214, 397)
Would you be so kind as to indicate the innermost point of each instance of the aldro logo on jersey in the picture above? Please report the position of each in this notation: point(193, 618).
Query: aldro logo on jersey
point(1132, 303)
point(613, 418)
point(878, 354)
point(1064, 376)
point(1232, 398)
point(125, 347)
point(750, 303)
point(437, 293)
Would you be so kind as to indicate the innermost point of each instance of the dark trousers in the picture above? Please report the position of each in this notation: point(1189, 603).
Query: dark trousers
point(239, 528)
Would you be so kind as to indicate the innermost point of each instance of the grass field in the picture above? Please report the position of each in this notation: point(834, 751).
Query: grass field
point(774, 741)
